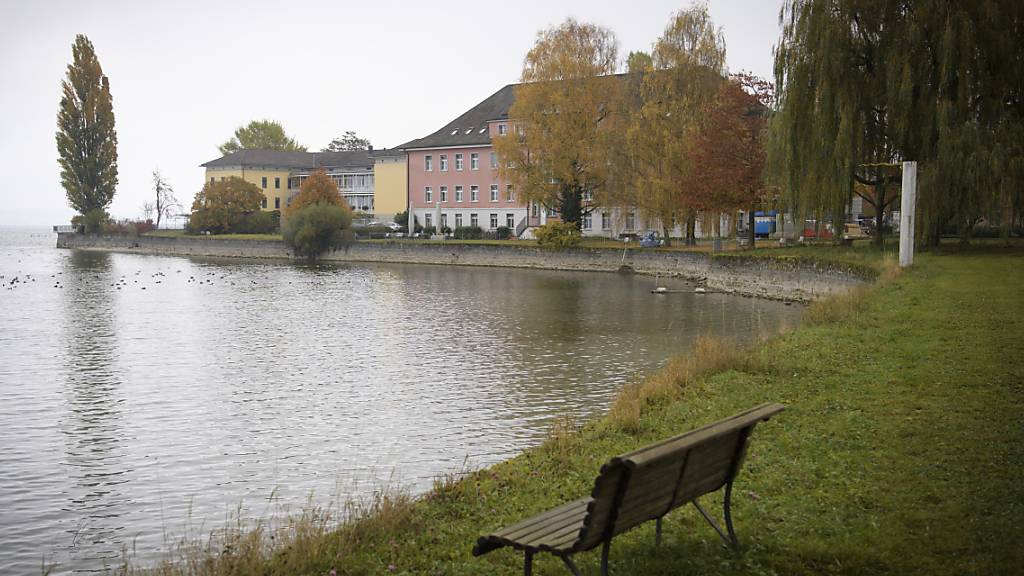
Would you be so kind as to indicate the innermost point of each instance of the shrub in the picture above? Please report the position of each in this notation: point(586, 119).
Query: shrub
point(376, 231)
point(402, 219)
point(91, 222)
point(316, 229)
point(221, 206)
point(468, 233)
point(259, 222)
point(503, 233)
point(558, 235)
point(429, 230)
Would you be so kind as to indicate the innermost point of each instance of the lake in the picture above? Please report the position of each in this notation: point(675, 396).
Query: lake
point(143, 397)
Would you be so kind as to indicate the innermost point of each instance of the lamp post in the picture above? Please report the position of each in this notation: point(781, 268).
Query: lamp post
point(907, 207)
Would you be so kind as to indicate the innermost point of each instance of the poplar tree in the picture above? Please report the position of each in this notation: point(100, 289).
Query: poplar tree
point(86, 138)
point(562, 143)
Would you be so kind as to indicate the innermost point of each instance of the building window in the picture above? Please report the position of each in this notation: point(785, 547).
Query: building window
point(277, 203)
point(630, 221)
point(277, 182)
point(428, 163)
point(458, 193)
point(502, 129)
point(509, 193)
point(473, 220)
point(494, 192)
point(606, 221)
point(428, 219)
point(474, 161)
point(444, 193)
point(264, 185)
point(458, 220)
point(444, 162)
point(458, 161)
point(587, 222)
point(494, 221)
point(474, 193)
point(444, 221)
point(588, 196)
point(510, 221)
point(428, 195)
point(535, 210)
point(494, 160)
point(263, 203)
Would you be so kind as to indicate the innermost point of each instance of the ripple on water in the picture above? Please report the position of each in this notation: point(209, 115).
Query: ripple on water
point(136, 415)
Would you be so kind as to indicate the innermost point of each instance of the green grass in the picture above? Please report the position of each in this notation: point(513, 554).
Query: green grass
point(182, 234)
point(900, 453)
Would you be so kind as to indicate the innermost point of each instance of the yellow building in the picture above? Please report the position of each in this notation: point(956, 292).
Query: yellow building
point(372, 182)
point(391, 181)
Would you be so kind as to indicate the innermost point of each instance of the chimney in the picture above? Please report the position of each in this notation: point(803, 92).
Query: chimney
point(369, 148)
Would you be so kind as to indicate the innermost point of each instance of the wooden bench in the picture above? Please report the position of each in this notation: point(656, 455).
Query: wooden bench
point(636, 487)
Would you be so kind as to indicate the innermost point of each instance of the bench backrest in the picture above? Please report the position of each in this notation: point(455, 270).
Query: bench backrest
point(648, 483)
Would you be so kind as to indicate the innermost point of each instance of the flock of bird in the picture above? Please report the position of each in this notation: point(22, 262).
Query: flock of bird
point(23, 279)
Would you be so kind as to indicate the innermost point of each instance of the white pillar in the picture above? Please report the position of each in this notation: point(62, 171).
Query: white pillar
point(907, 207)
point(412, 220)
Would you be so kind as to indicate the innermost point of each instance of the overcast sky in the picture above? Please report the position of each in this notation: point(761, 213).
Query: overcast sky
point(185, 74)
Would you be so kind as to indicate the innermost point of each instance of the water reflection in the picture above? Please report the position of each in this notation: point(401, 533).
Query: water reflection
point(201, 384)
point(91, 419)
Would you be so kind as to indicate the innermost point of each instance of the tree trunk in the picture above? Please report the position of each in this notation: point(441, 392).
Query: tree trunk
point(691, 230)
point(572, 205)
point(750, 227)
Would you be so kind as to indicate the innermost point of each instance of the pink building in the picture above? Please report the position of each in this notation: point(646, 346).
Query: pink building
point(456, 168)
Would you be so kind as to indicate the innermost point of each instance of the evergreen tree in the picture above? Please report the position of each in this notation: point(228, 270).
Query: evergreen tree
point(86, 138)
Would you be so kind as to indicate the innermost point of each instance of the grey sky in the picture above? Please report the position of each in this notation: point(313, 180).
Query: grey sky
point(185, 74)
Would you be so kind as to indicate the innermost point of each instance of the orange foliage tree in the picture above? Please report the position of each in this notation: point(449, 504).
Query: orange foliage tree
point(317, 189)
point(223, 205)
point(728, 156)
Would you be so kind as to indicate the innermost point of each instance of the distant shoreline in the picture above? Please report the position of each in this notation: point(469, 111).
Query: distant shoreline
point(777, 278)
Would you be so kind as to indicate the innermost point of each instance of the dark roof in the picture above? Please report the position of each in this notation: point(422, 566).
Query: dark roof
point(294, 160)
point(470, 128)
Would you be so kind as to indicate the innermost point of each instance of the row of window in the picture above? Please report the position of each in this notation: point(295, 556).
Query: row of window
point(474, 194)
point(474, 220)
point(277, 203)
point(263, 182)
point(474, 162)
point(606, 221)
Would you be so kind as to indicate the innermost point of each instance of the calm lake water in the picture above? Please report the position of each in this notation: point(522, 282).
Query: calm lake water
point(145, 397)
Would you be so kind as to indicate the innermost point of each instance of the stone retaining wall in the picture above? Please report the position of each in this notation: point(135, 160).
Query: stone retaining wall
point(763, 277)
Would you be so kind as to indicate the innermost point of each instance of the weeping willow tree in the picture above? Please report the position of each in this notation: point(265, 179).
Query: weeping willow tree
point(865, 84)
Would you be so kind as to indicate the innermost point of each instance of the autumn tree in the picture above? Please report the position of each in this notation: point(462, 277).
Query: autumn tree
point(222, 206)
point(561, 147)
point(348, 141)
point(728, 156)
point(164, 201)
point(318, 219)
point(318, 188)
point(260, 135)
point(86, 138)
point(669, 98)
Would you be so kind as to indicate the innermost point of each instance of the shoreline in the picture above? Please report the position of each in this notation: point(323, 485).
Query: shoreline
point(788, 279)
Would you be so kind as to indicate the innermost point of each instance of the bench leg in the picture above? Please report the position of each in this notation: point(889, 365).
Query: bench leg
point(727, 510)
point(657, 532)
point(571, 566)
point(604, 556)
point(528, 563)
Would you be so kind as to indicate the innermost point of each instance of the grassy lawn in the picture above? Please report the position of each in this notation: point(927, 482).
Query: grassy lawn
point(900, 453)
point(181, 234)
